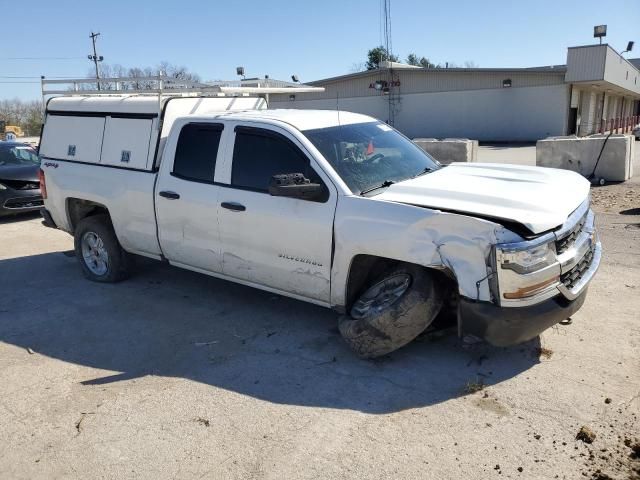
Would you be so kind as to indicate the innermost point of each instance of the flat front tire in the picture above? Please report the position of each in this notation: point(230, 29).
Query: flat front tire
point(101, 257)
point(392, 311)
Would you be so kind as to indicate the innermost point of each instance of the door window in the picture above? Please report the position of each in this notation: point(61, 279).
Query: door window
point(259, 154)
point(197, 151)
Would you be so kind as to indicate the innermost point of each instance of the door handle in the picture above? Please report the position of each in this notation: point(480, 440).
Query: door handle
point(169, 195)
point(236, 207)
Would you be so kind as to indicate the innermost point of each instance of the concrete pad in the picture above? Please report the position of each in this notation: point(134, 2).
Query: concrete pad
point(173, 374)
point(449, 149)
point(581, 153)
point(515, 154)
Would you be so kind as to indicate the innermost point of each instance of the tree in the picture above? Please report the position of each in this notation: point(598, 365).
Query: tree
point(163, 68)
point(412, 59)
point(26, 115)
point(376, 56)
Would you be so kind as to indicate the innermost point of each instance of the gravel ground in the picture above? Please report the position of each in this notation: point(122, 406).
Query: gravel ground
point(173, 374)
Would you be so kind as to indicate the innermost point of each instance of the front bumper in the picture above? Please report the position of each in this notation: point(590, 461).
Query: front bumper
point(19, 201)
point(515, 321)
point(503, 327)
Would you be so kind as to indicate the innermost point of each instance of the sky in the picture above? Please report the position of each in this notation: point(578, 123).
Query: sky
point(314, 40)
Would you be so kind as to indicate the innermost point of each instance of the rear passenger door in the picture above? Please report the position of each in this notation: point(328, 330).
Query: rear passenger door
point(278, 242)
point(187, 198)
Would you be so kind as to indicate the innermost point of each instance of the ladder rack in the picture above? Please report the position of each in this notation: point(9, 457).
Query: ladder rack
point(166, 86)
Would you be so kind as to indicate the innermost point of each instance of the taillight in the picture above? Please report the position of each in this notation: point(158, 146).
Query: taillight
point(43, 183)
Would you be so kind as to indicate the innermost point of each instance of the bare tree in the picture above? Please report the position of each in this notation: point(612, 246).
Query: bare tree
point(27, 115)
point(163, 68)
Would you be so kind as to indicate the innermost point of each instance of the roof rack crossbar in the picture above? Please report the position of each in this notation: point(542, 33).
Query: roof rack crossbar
point(164, 85)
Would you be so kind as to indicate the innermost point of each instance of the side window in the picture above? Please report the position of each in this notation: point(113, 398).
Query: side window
point(197, 151)
point(260, 154)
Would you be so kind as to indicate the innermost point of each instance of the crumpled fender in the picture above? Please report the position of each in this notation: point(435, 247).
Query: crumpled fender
point(432, 238)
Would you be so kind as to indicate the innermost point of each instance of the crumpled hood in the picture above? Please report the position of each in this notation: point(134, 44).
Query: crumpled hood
point(26, 173)
point(538, 198)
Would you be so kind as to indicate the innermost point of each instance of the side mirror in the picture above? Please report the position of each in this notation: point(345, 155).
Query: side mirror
point(294, 185)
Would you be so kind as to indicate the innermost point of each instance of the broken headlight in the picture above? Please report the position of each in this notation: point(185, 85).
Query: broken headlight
point(526, 271)
point(530, 260)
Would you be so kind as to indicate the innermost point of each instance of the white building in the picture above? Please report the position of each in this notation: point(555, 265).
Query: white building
point(595, 88)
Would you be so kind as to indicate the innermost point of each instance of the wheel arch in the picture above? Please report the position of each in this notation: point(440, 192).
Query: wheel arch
point(364, 267)
point(78, 209)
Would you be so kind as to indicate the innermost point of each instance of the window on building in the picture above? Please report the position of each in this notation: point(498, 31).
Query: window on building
point(259, 154)
point(197, 151)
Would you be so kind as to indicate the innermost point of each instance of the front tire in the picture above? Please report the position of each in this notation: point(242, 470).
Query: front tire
point(101, 257)
point(392, 311)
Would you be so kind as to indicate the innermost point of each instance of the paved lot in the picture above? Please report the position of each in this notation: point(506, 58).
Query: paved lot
point(173, 374)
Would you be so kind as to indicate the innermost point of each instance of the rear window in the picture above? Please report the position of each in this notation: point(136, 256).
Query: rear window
point(18, 155)
point(197, 151)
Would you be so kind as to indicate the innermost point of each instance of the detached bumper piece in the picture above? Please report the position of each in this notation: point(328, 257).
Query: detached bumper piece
point(503, 327)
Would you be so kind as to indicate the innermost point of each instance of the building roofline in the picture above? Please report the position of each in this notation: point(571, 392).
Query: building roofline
point(545, 69)
point(591, 45)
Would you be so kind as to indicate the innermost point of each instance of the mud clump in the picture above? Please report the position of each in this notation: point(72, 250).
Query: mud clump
point(586, 435)
point(634, 445)
point(601, 476)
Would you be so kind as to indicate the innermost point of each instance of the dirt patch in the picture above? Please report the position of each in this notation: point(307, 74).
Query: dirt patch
point(544, 352)
point(474, 386)
point(586, 435)
point(491, 405)
point(202, 421)
point(621, 198)
point(634, 445)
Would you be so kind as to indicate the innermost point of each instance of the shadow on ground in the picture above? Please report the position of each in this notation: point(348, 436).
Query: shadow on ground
point(19, 217)
point(170, 322)
point(630, 211)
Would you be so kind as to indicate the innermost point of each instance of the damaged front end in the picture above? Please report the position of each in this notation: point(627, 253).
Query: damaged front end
point(535, 283)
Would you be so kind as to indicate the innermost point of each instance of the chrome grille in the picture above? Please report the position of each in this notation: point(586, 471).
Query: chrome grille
point(564, 243)
point(570, 278)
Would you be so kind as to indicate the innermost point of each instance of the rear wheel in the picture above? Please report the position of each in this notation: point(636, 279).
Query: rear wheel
point(393, 310)
point(101, 257)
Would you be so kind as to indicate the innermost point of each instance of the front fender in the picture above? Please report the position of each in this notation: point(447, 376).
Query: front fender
point(431, 238)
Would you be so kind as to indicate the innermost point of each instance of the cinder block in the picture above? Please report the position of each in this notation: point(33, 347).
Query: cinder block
point(581, 153)
point(449, 149)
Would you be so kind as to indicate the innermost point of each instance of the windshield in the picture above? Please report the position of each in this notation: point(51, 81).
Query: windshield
point(368, 155)
point(18, 155)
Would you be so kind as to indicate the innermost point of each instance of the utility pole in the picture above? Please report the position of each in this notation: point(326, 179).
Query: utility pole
point(95, 57)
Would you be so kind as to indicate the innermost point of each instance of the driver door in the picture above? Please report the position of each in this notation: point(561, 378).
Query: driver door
point(278, 242)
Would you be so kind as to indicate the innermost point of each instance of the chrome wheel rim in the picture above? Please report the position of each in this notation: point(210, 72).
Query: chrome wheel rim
point(381, 296)
point(94, 253)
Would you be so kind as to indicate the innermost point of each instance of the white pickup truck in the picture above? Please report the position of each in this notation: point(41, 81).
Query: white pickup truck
point(333, 208)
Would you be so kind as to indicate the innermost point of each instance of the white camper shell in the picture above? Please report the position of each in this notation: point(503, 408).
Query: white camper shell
point(128, 126)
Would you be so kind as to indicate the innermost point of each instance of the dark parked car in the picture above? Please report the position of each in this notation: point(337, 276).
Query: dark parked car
point(19, 183)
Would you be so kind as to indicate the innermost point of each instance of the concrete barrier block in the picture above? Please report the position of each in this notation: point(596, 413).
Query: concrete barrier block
point(449, 149)
point(581, 153)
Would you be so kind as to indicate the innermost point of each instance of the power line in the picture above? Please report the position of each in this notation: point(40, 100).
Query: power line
point(41, 58)
point(18, 81)
point(33, 76)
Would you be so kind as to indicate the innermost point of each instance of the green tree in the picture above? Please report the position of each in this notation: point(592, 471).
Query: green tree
point(425, 63)
point(412, 59)
point(377, 55)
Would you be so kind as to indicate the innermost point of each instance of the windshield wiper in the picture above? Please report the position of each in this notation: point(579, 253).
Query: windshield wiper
point(426, 170)
point(386, 183)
